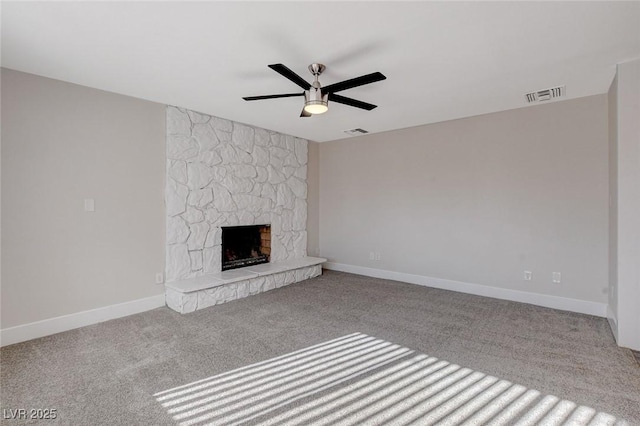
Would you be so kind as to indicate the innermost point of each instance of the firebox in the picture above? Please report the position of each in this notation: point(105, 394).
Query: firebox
point(245, 245)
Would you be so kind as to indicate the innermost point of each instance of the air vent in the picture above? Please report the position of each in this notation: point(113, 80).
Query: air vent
point(546, 94)
point(356, 132)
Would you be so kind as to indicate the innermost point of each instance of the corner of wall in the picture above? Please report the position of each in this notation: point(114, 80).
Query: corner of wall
point(313, 200)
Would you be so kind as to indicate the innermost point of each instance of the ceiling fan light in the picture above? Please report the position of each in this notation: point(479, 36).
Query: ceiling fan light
point(315, 102)
point(316, 107)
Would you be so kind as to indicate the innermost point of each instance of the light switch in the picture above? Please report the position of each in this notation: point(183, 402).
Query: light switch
point(89, 205)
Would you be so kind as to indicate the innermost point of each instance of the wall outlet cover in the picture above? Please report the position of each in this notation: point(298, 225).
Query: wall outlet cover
point(89, 205)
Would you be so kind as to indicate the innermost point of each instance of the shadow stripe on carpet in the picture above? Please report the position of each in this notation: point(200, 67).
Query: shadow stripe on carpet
point(359, 379)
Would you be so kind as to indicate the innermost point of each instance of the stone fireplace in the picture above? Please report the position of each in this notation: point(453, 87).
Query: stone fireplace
point(222, 174)
point(245, 246)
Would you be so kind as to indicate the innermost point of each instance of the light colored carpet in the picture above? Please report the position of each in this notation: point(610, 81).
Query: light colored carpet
point(108, 373)
point(358, 379)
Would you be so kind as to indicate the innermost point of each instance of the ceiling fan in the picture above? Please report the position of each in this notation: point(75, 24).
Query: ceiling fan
point(316, 97)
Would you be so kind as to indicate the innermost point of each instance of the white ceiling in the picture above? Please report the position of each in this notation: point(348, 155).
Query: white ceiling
point(443, 60)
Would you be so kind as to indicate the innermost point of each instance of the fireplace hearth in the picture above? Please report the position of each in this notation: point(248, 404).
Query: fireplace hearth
point(245, 246)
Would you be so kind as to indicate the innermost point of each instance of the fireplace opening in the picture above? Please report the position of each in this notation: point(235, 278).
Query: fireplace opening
point(245, 245)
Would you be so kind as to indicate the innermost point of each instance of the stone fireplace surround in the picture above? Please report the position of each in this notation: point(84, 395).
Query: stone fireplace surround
point(223, 173)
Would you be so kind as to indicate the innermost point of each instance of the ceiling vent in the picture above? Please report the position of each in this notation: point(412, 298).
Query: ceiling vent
point(356, 132)
point(546, 94)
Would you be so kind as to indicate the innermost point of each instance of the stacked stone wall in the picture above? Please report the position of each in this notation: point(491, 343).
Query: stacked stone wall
point(223, 173)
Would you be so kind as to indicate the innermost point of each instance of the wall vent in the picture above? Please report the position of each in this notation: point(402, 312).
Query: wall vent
point(545, 94)
point(356, 132)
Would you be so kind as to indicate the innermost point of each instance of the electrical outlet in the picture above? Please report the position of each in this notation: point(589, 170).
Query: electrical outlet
point(556, 277)
point(377, 255)
point(159, 278)
point(89, 205)
point(372, 256)
point(528, 275)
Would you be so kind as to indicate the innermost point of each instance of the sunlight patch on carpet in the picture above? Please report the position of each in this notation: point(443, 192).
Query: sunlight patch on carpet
point(359, 379)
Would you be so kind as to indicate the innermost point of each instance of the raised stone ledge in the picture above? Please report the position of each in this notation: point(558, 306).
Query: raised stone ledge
point(189, 295)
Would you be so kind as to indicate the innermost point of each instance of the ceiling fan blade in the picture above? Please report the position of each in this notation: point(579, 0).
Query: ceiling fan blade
point(351, 102)
point(354, 82)
point(286, 72)
point(284, 95)
point(304, 113)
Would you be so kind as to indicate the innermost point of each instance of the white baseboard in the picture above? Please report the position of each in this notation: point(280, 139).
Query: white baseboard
point(548, 301)
point(33, 330)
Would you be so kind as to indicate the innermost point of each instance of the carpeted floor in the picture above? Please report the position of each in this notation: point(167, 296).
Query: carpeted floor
point(357, 379)
point(112, 373)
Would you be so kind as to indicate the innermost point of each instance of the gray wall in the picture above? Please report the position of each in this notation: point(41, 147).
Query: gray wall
point(477, 200)
point(62, 143)
point(627, 207)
